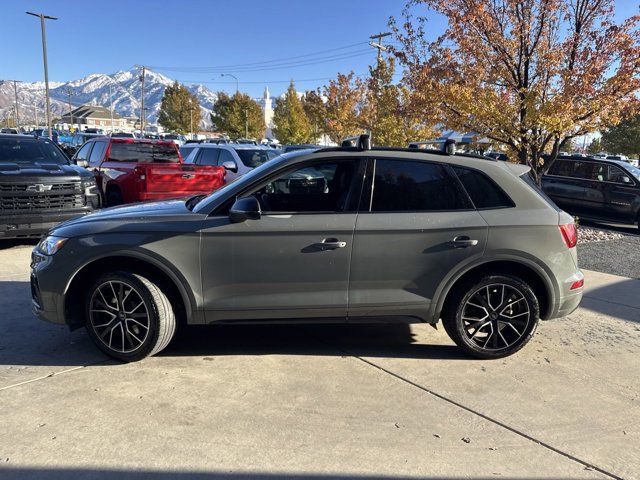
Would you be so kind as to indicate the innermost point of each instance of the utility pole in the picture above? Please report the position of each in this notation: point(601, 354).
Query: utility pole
point(142, 100)
point(15, 92)
point(246, 123)
point(35, 109)
point(69, 92)
point(378, 46)
point(42, 18)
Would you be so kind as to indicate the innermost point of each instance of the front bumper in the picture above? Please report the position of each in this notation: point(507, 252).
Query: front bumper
point(34, 225)
point(44, 302)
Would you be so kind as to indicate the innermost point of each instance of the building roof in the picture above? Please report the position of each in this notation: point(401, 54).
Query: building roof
point(92, 111)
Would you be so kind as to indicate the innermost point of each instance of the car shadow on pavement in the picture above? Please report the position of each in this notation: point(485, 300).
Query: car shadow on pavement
point(17, 473)
point(387, 340)
point(618, 300)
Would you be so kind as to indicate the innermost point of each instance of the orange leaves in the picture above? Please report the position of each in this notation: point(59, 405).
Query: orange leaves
point(528, 73)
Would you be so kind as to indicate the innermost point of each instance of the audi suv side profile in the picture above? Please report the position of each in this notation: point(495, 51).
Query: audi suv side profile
point(346, 234)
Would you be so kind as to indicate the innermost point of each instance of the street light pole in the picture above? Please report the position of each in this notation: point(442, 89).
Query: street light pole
point(246, 123)
point(234, 77)
point(42, 18)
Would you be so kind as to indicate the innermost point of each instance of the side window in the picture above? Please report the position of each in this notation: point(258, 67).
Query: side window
point(97, 153)
point(562, 168)
point(617, 175)
point(599, 172)
point(409, 186)
point(225, 156)
point(185, 151)
point(83, 153)
point(483, 191)
point(583, 170)
point(208, 156)
point(321, 187)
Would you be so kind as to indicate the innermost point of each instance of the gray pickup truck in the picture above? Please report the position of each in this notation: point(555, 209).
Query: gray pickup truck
point(39, 187)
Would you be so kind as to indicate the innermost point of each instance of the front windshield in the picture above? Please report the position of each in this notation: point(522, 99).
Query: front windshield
point(254, 158)
point(25, 151)
point(635, 171)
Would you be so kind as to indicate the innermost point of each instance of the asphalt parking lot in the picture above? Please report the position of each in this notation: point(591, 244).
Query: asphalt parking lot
point(322, 402)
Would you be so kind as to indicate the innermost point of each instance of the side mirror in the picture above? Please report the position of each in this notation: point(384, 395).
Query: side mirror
point(231, 166)
point(247, 208)
point(81, 163)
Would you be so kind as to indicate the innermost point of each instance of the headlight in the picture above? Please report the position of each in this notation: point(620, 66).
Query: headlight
point(50, 245)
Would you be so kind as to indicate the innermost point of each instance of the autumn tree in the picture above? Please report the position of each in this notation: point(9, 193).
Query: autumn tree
point(291, 124)
point(386, 112)
point(344, 96)
point(595, 146)
point(530, 74)
point(238, 116)
point(179, 110)
point(314, 109)
point(623, 138)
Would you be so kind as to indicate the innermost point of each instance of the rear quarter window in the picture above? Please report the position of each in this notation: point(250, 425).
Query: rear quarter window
point(483, 191)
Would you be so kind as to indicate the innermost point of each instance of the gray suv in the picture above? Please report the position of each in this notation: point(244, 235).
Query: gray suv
point(346, 234)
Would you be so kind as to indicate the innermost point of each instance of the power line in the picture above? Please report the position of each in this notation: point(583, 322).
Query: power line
point(264, 62)
point(278, 66)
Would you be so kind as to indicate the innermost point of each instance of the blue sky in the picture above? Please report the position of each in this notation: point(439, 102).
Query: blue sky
point(107, 36)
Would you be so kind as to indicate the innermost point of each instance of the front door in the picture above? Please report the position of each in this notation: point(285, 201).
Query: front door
point(293, 262)
point(415, 225)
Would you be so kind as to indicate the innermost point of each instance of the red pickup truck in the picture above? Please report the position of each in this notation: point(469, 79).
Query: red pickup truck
point(130, 170)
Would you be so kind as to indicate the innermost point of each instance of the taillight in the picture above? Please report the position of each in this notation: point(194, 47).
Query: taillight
point(569, 234)
point(140, 173)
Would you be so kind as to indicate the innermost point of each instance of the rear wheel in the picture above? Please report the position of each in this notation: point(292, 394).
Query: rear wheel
point(114, 198)
point(128, 316)
point(493, 317)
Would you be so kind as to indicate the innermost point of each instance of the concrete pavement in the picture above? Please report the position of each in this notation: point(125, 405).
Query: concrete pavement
point(322, 402)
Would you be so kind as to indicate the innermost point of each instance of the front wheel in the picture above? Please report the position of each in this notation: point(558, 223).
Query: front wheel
point(128, 316)
point(493, 317)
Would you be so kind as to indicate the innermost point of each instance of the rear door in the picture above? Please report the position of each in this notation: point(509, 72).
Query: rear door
point(564, 189)
point(415, 224)
point(207, 176)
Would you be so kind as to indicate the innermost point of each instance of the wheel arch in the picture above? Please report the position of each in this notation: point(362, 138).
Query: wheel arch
point(529, 271)
point(72, 305)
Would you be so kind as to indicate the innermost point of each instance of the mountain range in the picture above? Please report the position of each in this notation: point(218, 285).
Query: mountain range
point(94, 90)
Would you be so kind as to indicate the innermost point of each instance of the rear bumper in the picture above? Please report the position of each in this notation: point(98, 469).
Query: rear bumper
point(34, 225)
point(568, 300)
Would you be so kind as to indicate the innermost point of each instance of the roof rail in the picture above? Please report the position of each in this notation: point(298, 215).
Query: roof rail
point(447, 146)
point(362, 142)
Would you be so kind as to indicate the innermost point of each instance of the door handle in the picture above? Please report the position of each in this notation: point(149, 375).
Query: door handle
point(462, 242)
point(331, 244)
point(187, 175)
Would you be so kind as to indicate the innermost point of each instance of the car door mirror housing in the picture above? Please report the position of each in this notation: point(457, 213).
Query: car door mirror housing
point(81, 163)
point(247, 208)
point(231, 166)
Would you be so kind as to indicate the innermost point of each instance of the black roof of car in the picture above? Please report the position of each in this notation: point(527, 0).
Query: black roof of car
point(621, 163)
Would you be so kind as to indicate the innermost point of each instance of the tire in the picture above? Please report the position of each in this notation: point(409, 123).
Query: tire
point(485, 331)
point(128, 316)
point(114, 198)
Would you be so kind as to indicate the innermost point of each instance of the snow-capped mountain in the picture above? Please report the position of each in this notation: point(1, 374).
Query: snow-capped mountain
point(95, 89)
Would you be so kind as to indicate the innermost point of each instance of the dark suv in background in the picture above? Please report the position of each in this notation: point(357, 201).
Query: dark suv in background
point(39, 187)
point(597, 189)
